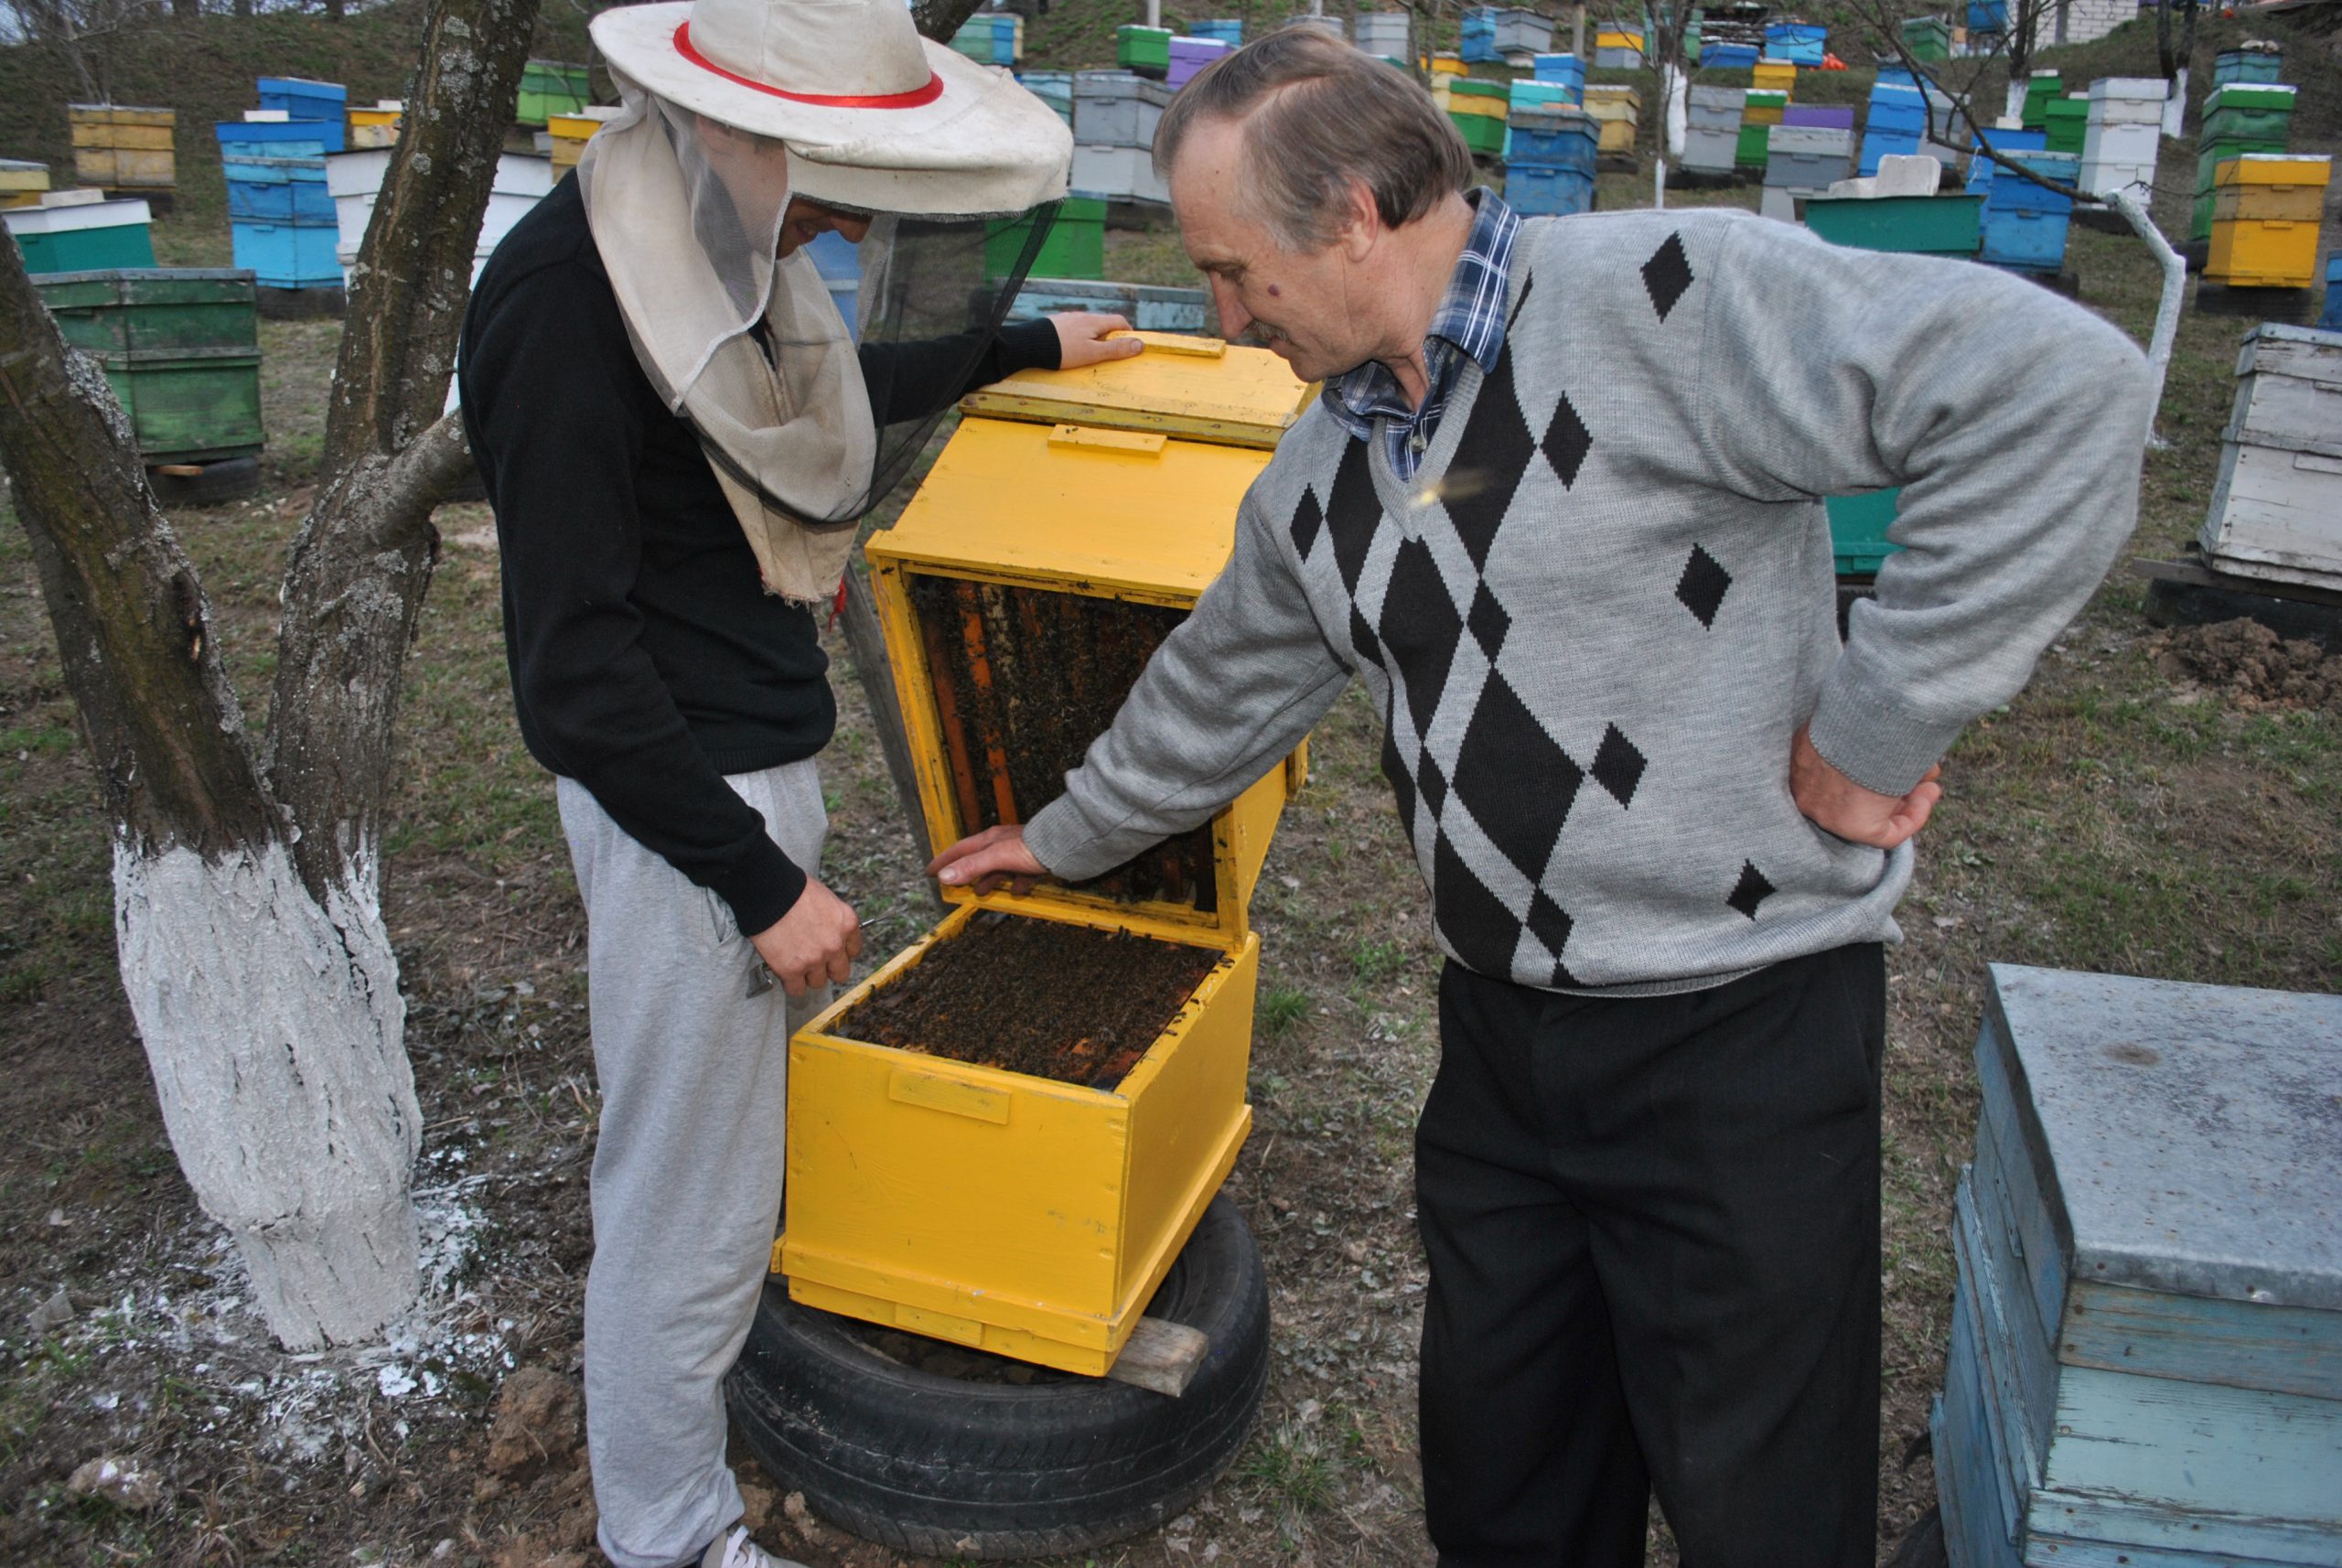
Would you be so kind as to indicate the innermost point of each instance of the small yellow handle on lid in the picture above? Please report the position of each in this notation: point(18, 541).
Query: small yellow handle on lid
point(1178, 343)
point(1138, 444)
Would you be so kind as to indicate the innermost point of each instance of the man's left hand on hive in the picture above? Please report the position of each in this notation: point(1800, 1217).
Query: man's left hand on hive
point(986, 860)
point(1836, 804)
point(1082, 341)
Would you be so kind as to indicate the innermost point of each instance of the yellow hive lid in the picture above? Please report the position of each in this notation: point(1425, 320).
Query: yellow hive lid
point(1199, 388)
point(2274, 168)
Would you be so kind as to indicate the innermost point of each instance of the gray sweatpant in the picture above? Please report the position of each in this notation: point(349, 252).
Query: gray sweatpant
point(687, 1171)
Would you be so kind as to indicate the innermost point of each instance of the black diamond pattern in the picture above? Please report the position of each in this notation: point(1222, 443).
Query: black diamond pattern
point(1476, 923)
point(1519, 301)
point(1550, 924)
point(1362, 638)
point(1567, 442)
point(1618, 766)
point(1518, 785)
point(1434, 785)
point(1667, 274)
point(1307, 518)
point(1751, 890)
point(1401, 785)
point(1702, 586)
point(1353, 513)
point(1488, 465)
point(1420, 627)
point(1488, 621)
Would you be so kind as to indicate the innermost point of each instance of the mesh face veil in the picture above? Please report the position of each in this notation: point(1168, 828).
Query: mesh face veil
point(808, 419)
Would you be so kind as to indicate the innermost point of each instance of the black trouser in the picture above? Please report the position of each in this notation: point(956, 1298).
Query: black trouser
point(1653, 1232)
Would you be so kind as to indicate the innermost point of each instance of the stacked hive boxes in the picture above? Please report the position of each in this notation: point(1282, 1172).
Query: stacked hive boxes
point(570, 132)
point(2238, 119)
point(1711, 143)
point(1521, 36)
point(1947, 132)
point(1806, 160)
point(2025, 224)
point(2252, 63)
point(375, 126)
point(1896, 122)
point(1145, 50)
point(355, 180)
point(1479, 109)
point(1927, 39)
point(2266, 208)
point(1619, 110)
point(124, 149)
point(1565, 71)
point(2145, 1363)
point(1382, 33)
point(2276, 508)
point(2041, 89)
point(1980, 171)
point(1733, 36)
point(1475, 37)
point(1549, 168)
point(1053, 88)
point(1075, 246)
point(1774, 76)
point(1016, 1214)
point(1189, 55)
point(79, 230)
point(180, 347)
point(2123, 134)
point(1616, 49)
point(1761, 111)
point(1799, 43)
point(992, 38)
point(1114, 116)
point(22, 182)
point(550, 87)
point(2067, 122)
point(325, 103)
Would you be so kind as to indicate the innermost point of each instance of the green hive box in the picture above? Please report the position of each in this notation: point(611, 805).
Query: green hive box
point(1076, 247)
point(2040, 92)
point(1143, 48)
point(82, 249)
point(2066, 121)
point(1933, 225)
point(1755, 147)
point(551, 87)
point(1858, 527)
point(180, 348)
point(1484, 134)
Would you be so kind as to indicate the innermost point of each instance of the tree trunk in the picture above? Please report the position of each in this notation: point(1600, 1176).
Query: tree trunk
point(939, 19)
point(251, 939)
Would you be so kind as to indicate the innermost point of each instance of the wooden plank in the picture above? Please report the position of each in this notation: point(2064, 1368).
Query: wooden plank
point(2199, 1339)
point(2020, 1341)
point(1161, 1355)
point(2104, 1529)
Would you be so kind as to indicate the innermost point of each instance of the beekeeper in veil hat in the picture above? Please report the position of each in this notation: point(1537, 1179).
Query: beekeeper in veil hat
point(679, 430)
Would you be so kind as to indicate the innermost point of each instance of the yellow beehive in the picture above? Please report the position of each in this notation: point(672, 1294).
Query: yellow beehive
point(1024, 1216)
point(1617, 39)
point(22, 183)
point(1486, 108)
point(1776, 75)
point(570, 132)
point(1447, 65)
point(119, 147)
point(2266, 208)
point(377, 126)
point(1616, 109)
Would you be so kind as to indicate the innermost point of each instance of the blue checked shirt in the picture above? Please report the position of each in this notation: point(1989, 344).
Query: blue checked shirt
point(1469, 323)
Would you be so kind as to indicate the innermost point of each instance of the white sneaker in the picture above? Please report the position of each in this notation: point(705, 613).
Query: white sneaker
point(738, 1550)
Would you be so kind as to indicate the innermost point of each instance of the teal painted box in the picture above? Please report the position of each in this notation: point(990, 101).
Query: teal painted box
point(2146, 1362)
point(82, 237)
point(1933, 225)
point(1858, 526)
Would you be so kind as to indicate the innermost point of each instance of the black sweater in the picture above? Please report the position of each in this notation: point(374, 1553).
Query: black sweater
point(647, 659)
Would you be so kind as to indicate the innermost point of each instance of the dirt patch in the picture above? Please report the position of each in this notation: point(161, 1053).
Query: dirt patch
point(1069, 1003)
point(2255, 665)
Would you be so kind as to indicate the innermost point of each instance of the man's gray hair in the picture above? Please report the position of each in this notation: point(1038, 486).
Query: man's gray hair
point(1319, 116)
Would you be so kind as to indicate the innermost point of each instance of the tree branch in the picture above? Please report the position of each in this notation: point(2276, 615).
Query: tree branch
point(133, 629)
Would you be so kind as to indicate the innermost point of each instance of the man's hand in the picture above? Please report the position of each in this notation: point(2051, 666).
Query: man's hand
point(1832, 800)
point(814, 944)
point(1082, 341)
point(988, 859)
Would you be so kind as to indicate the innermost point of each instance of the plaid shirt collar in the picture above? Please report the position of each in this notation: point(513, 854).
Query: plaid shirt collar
point(1469, 322)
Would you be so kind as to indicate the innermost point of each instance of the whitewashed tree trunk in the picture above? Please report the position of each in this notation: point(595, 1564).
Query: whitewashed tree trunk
point(2175, 107)
point(2013, 101)
point(2174, 290)
point(1675, 99)
point(276, 1032)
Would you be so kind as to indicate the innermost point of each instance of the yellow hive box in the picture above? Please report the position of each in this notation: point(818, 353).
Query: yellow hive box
point(22, 182)
point(1761, 114)
point(375, 127)
point(122, 148)
point(2267, 247)
point(1072, 512)
point(570, 132)
point(2284, 203)
point(1614, 39)
point(1777, 74)
point(1486, 108)
point(2261, 253)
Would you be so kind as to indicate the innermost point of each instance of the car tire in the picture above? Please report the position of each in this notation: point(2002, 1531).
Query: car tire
point(957, 1467)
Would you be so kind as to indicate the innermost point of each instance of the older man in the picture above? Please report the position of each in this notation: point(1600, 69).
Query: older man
point(1557, 510)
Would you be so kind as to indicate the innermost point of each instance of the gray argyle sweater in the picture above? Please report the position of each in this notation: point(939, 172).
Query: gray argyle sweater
point(1598, 615)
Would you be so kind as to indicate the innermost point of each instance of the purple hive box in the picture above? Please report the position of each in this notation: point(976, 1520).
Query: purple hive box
point(1189, 55)
point(1818, 117)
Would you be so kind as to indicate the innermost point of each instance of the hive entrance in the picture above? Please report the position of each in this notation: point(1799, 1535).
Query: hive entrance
point(1024, 680)
point(1039, 997)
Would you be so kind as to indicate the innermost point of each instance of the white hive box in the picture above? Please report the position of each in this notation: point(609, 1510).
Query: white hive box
point(2276, 508)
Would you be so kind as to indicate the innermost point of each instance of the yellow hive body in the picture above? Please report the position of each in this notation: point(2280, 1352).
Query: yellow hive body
point(122, 149)
point(1018, 1214)
point(375, 127)
point(1616, 110)
point(2265, 215)
point(1447, 65)
point(1779, 75)
point(22, 182)
point(570, 132)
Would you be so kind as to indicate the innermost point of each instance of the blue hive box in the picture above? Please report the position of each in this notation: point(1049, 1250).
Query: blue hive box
point(1728, 56)
point(2011, 194)
point(326, 102)
point(276, 138)
point(1543, 191)
point(1228, 30)
point(2332, 318)
point(278, 190)
point(2147, 1356)
point(291, 254)
point(1567, 69)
